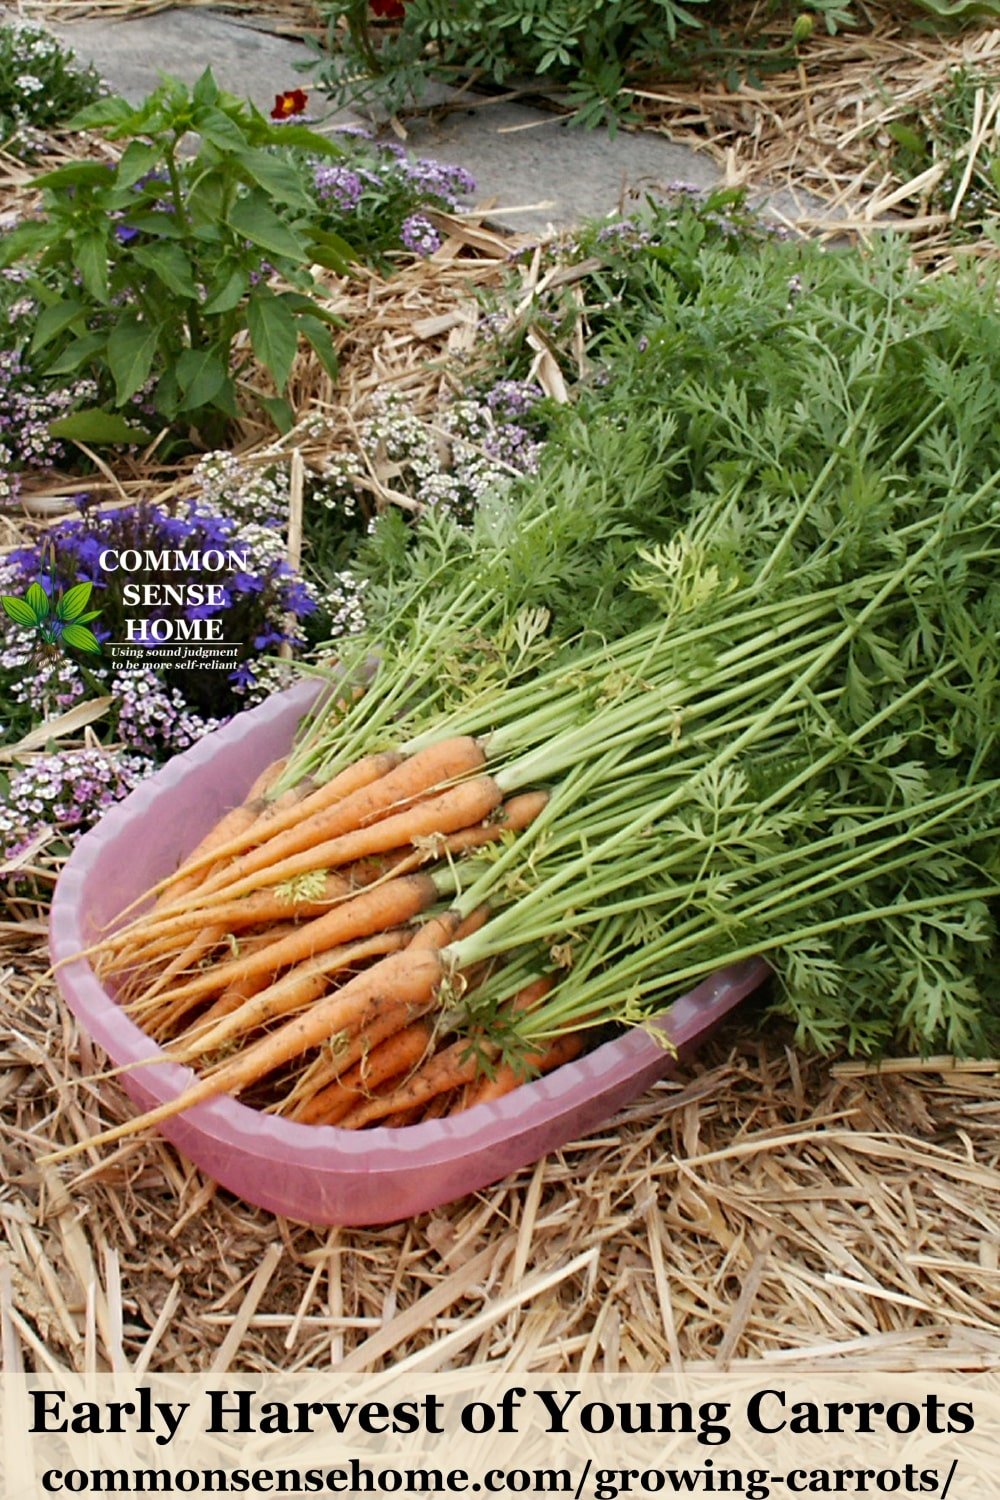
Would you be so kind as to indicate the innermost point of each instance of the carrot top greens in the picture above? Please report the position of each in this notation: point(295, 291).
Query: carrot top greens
point(743, 626)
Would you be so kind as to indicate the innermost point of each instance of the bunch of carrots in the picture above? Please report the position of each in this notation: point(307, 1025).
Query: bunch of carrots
point(335, 949)
point(442, 893)
point(306, 975)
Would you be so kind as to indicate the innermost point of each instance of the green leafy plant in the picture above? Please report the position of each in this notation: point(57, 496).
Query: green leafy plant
point(585, 43)
point(148, 270)
point(41, 86)
point(592, 51)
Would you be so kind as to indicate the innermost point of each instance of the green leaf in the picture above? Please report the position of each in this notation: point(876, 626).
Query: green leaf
point(92, 261)
point(278, 179)
point(102, 113)
point(206, 90)
point(131, 350)
point(280, 412)
point(273, 333)
point(162, 226)
point(138, 158)
point(201, 375)
point(226, 400)
point(73, 604)
point(26, 241)
point(81, 638)
point(77, 174)
point(94, 425)
point(18, 610)
point(170, 265)
point(219, 130)
point(225, 294)
point(322, 344)
point(905, 136)
point(255, 220)
point(54, 320)
point(331, 250)
point(304, 139)
point(77, 353)
point(38, 602)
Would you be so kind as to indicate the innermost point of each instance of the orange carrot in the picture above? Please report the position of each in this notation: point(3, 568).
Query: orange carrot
point(511, 817)
point(396, 1055)
point(446, 1070)
point(439, 765)
point(467, 802)
point(383, 1023)
point(410, 977)
point(506, 1078)
point(232, 825)
point(370, 911)
point(273, 817)
point(298, 987)
point(234, 916)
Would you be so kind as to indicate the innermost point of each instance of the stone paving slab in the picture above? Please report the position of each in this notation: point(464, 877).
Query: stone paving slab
point(522, 157)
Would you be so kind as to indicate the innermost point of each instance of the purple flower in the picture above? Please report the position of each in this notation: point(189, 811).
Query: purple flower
point(339, 186)
point(419, 236)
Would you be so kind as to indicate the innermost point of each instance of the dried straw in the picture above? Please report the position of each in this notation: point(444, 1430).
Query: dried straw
point(818, 129)
point(762, 1207)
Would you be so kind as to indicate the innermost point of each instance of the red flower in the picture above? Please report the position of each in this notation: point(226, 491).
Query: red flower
point(291, 102)
point(388, 10)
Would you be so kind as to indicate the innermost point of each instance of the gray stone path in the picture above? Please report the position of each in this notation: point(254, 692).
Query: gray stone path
point(522, 157)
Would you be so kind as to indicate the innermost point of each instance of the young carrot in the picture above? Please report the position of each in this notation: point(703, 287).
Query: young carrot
point(439, 765)
point(274, 817)
point(232, 825)
point(396, 1055)
point(461, 805)
point(409, 977)
point(235, 916)
point(374, 1028)
point(368, 912)
point(298, 987)
point(446, 1070)
point(506, 1078)
point(160, 1015)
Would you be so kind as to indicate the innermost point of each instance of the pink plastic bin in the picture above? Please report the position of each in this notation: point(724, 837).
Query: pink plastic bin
point(319, 1174)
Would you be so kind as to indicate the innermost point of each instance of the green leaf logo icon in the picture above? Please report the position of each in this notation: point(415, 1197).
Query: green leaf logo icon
point(37, 601)
point(18, 610)
point(73, 603)
point(57, 622)
point(81, 637)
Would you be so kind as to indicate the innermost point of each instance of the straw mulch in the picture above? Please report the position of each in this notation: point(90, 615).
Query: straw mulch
point(818, 127)
point(760, 1207)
